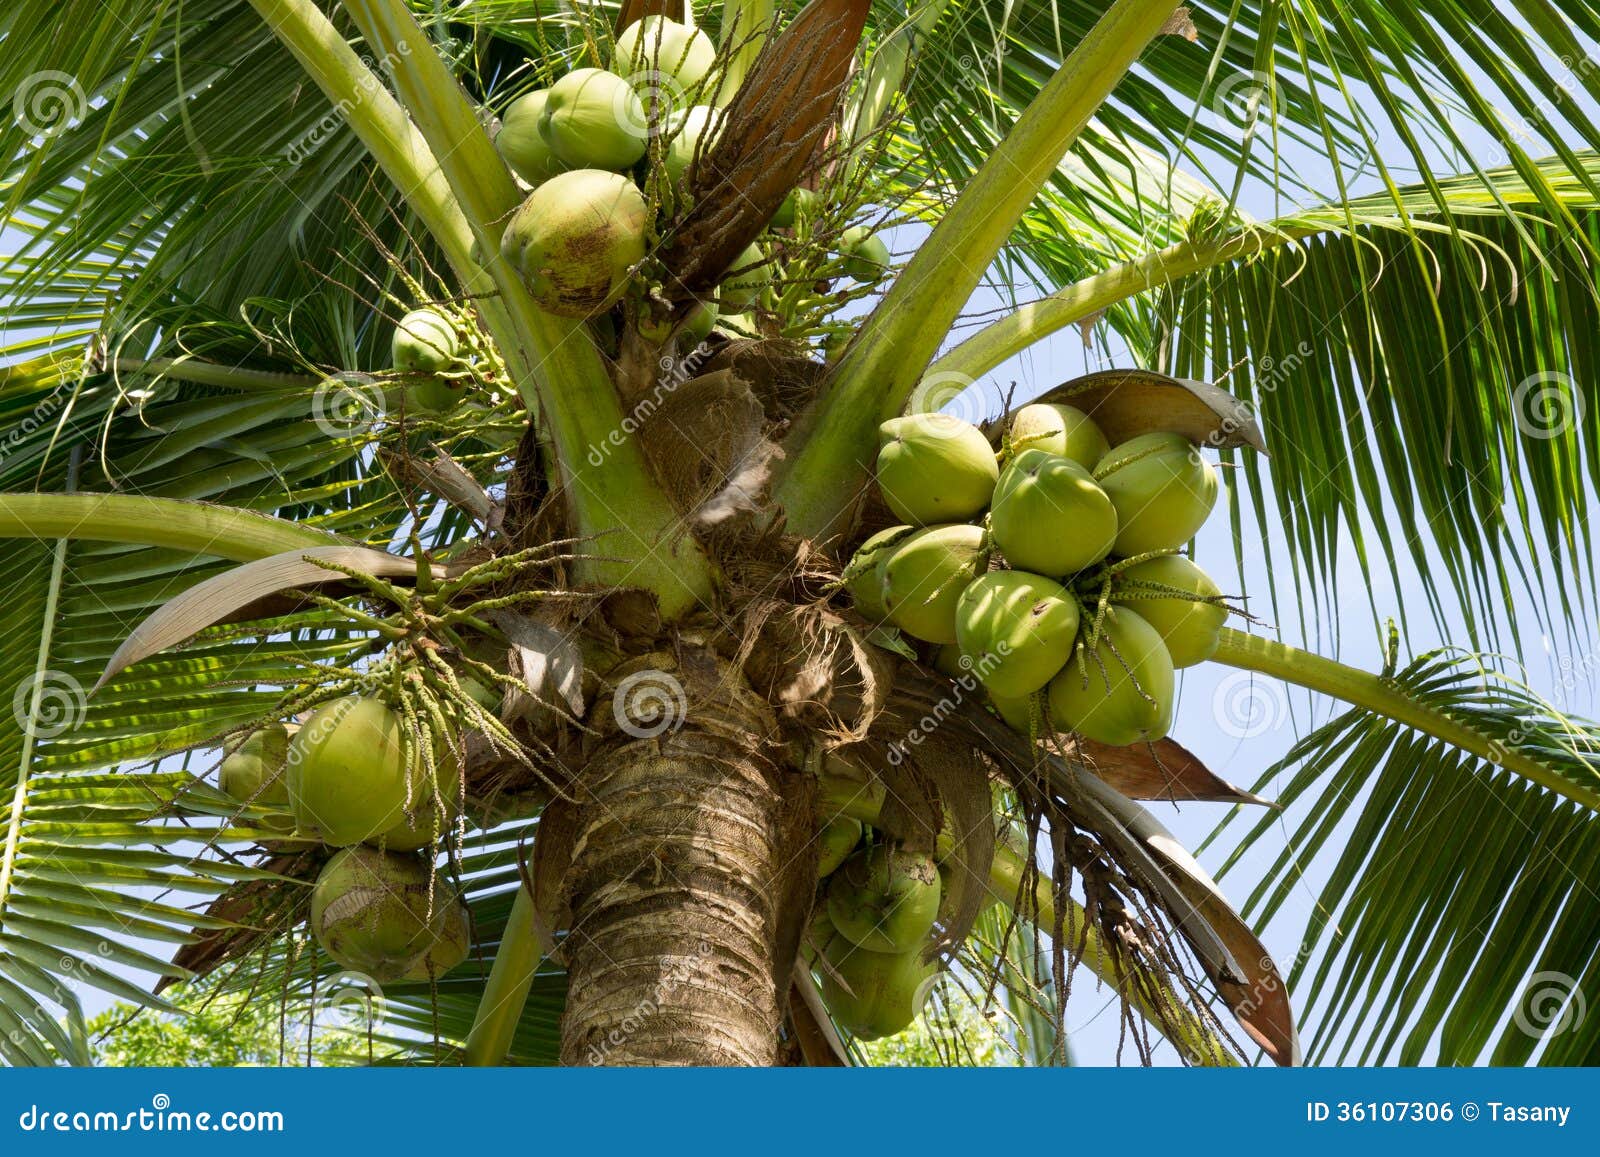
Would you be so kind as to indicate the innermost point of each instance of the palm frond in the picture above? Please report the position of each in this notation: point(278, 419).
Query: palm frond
point(1456, 918)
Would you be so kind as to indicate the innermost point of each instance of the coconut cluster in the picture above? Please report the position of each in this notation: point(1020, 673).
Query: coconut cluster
point(583, 145)
point(346, 778)
point(868, 941)
point(1051, 571)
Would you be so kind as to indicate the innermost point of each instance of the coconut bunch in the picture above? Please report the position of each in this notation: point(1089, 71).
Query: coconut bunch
point(870, 936)
point(347, 777)
point(606, 152)
point(1050, 570)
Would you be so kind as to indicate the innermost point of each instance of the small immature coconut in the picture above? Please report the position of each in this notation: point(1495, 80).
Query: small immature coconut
point(1017, 629)
point(837, 839)
point(801, 202)
point(1123, 692)
point(1191, 628)
point(594, 120)
point(935, 468)
point(751, 274)
point(866, 257)
point(253, 770)
point(1018, 713)
point(875, 994)
point(697, 326)
point(1049, 516)
point(866, 582)
point(884, 899)
point(575, 239)
point(692, 133)
point(1163, 491)
point(1055, 429)
point(425, 342)
point(656, 44)
point(346, 771)
point(923, 578)
point(521, 141)
point(386, 915)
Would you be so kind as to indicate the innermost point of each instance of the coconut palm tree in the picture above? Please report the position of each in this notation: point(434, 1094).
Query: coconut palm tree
point(224, 505)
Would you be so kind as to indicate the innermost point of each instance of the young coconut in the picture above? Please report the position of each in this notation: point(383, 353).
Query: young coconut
point(387, 915)
point(1122, 692)
point(801, 202)
point(657, 45)
point(924, 575)
point(346, 772)
point(874, 994)
point(751, 275)
point(864, 575)
point(575, 239)
point(884, 899)
point(837, 839)
point(1063, 430)
point(866, 257)
point(935, 468)
point(425, 342)
point(1191, 628)
point(692, 132)
point(697, 326)
point(521, 141)
point(594, 120)
point(1017, 629)
point(1049, 516)
point(1163, 491)
point(253, 769)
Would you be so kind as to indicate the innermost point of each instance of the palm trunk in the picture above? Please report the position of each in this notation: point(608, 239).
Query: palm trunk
point(679, 885)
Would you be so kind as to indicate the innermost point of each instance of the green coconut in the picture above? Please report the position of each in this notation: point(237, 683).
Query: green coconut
point(692, 132)
point(594, 120)
point(428, 816)
point(521, 140)
point(751, 274)
point(346, 772)
point(452, 939)
point(866, 257)
point(1123, 691)
point(1191, 628)
point(874, 994)
point(1018, 713)
point(697, 326)
point(837, 839)
point(656, 44)
point(575, 239)
point(865, 581)
point(1055, 429)
point(924, 575)
point(801, 202)
point(884, 898)
point(1163, 491)
point(386, 915)
point(425, 342)
point(253, 770)
point(935, 468)
point(1049, 516)
point(1017, 629)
